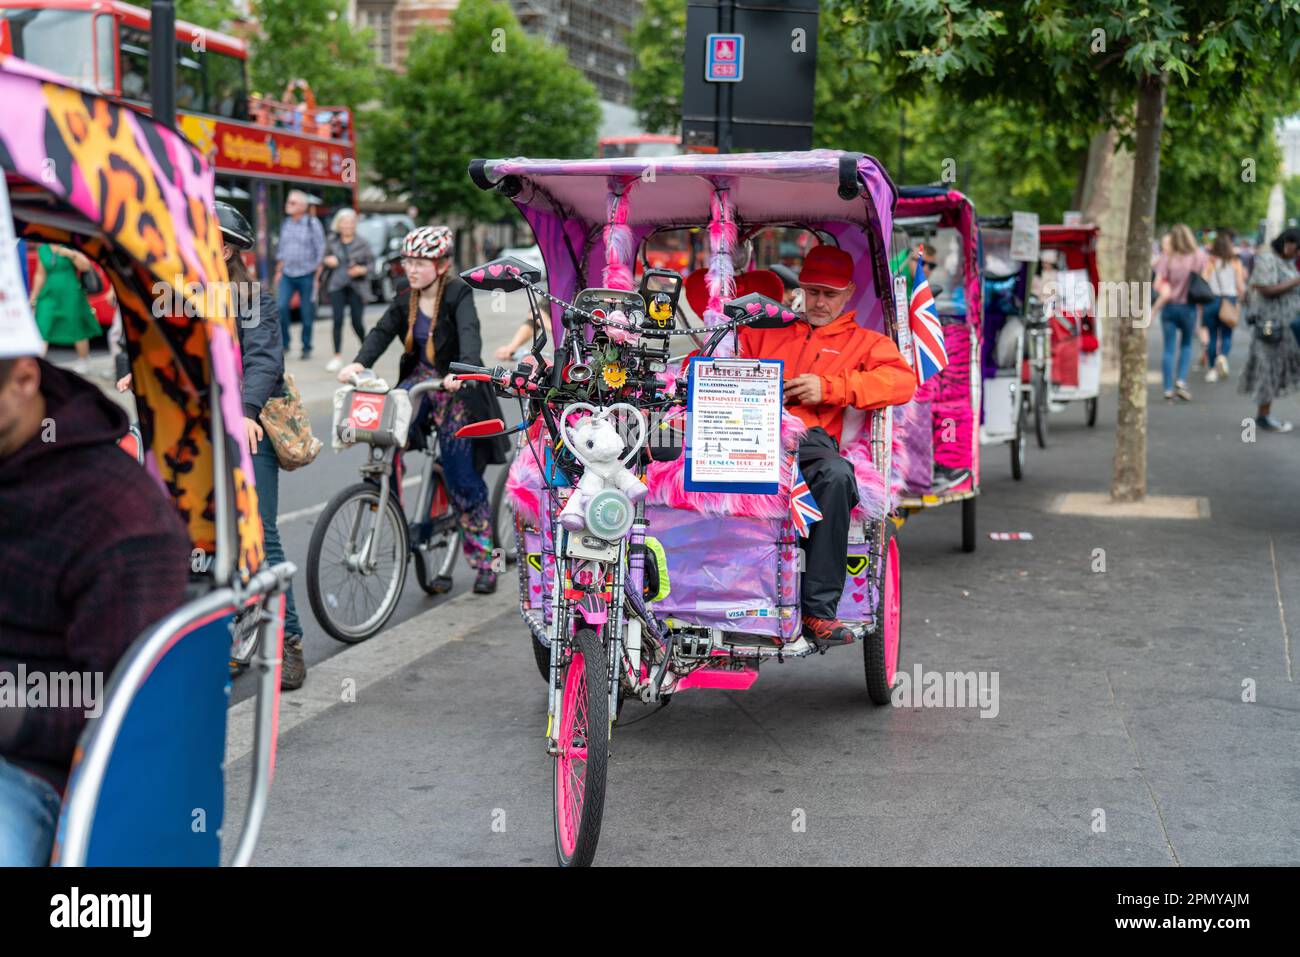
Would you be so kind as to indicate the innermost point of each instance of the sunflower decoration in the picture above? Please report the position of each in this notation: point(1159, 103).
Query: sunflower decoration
point(613, 375)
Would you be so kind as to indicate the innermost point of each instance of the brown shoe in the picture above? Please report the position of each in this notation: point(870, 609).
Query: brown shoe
point(825, 632)
point(293, 670)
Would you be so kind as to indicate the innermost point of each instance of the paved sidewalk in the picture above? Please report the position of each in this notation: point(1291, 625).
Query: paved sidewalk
point(1120, 700)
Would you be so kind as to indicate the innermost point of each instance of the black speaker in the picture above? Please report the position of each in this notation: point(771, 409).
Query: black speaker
point(771, 106)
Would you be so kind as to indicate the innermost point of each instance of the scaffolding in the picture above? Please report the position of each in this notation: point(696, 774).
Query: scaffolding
point(595, 34)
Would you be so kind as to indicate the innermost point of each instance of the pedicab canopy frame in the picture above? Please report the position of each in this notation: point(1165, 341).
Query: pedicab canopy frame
point(99, 176)
point(578, 210)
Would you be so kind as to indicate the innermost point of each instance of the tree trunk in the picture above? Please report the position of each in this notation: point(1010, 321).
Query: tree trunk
point(1107, 191)
point(1130, 479)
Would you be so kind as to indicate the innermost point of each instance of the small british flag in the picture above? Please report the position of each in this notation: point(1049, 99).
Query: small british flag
point(803, 507)
point(927, 333)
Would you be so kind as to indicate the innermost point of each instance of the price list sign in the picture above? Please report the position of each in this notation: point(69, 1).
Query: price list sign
point(733, 431)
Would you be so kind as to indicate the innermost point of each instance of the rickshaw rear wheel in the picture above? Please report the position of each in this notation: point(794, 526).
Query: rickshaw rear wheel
point(968, 524)
point(583, 740)
point(1090, 409)
point(1040, 410)
point(880, 649)
point(542, 655)
point(1018, 443)
point(350, 505)
point(504, 530)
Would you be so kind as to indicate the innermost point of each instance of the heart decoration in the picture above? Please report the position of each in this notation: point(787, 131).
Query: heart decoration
point(495, 271)
point(751, 308)
point(772, 309)
point(858, 596)
point(537, 589)
point(860, 580)
point(477, 275)
point(787, 315)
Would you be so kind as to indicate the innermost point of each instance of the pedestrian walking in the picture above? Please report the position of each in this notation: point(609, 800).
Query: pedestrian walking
point(63, 313)
point(348, 257)
point(1227, 279)
point(1177, 263)
point(297, 266)
point(1273, 304)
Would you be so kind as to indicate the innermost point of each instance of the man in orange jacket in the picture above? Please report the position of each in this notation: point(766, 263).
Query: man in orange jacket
point(831, 363)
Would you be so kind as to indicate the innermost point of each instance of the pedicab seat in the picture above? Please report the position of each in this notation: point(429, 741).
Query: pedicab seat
point(147, 787)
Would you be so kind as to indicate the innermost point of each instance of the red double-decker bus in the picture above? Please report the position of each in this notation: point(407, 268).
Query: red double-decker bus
point(260, 148)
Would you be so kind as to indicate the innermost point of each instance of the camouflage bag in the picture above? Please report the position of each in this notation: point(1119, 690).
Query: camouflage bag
point(289, 428)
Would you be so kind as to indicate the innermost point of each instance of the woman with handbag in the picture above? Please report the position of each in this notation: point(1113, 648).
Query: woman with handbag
point(58, 299)
point(1226, 277)
point(1273, 365)
point(437, 324)
point(1176, 269)
point(348, 258)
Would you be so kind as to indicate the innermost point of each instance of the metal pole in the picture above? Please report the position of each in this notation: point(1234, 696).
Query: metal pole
point(162, 62)
point(726, 23)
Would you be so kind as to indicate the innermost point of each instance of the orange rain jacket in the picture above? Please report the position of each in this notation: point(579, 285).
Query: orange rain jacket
point(858, 367)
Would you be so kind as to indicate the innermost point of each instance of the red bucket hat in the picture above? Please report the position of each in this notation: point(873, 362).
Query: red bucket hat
point(826, 266)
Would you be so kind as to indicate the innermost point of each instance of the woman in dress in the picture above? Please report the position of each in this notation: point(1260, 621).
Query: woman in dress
point(1273, 364)
point(63, 313)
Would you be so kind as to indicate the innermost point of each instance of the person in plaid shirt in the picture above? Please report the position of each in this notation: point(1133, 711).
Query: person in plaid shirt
point(297, 266)
point(94, 552)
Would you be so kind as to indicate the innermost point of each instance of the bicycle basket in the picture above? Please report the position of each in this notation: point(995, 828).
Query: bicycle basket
point(373, 418)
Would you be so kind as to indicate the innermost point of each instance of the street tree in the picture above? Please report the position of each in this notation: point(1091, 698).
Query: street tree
point(481, 88)
point(1098, 64)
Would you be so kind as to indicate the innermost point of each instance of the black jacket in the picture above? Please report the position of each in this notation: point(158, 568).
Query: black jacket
point(259, 341)
point(456, 338)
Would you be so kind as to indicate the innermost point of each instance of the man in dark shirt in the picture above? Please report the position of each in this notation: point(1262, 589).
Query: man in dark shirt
point(93, 554)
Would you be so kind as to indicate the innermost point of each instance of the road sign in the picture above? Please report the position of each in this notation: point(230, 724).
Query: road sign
point(724, 58)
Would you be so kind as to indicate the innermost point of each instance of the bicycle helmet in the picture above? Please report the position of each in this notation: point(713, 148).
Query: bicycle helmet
point(427, 242)
point(234, 227)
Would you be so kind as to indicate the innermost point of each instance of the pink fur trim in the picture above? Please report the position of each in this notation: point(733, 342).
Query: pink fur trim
point(618, 241)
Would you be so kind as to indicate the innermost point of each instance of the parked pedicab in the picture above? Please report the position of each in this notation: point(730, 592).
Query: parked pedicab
point(147, 783)
point(1076, 355)
point(678, 589)
point(1012, 397)
point(936, 435)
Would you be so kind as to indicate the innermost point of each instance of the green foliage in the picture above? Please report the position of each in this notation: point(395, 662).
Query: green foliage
point(659, 41)
point(483, 88)
point(209, 14)
point(1291, 187)
point(312, 40)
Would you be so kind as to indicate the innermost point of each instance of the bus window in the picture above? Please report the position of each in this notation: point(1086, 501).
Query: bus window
point(135, 63)
point(106, 52)
point(226, 91)
point(189, 80)
point(61, 41)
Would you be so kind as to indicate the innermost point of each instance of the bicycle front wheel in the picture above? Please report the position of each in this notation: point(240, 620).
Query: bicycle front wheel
point(583, 759)
point(356, 564)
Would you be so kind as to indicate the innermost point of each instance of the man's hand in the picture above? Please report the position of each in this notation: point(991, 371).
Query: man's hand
point(124, 383)
point(804, 389)
point(253, 431)
point(451, 383)
point(331, 261)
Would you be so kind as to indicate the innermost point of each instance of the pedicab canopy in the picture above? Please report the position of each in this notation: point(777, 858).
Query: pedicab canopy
point(103, 178)
point(1079, 243)
point(590, 216)
point(955, 211)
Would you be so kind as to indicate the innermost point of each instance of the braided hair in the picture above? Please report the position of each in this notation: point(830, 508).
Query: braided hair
point(439, 286)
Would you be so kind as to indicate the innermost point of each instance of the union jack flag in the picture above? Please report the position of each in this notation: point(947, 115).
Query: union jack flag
point(927, 333)
point(803, 507)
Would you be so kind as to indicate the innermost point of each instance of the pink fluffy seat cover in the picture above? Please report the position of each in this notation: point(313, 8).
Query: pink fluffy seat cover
point(666, 482)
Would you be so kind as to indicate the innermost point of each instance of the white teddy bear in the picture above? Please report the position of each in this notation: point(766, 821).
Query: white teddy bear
point(596, 444)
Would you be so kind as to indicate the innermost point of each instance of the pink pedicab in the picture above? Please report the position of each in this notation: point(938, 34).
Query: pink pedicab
point(682, 588)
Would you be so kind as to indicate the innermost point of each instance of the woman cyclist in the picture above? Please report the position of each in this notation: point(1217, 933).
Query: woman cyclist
point(437, 324)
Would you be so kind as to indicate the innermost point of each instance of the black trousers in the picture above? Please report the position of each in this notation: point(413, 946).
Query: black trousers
point(835, 487)
point(341, 299)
